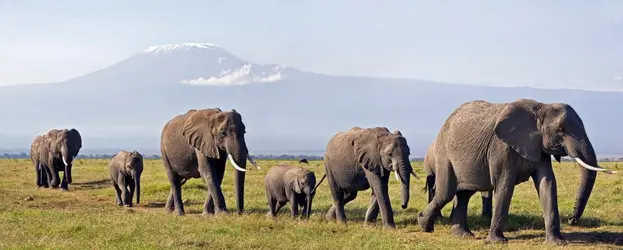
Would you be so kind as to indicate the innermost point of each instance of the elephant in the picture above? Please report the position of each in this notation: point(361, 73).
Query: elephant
point(53, 152)
point(429, 169)
point(125, 171)
point(363, 158)
point(297, 185)
point(484, 146)
point(198, 144)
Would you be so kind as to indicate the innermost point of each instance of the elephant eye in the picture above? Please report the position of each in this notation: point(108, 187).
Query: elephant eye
point(223, 134)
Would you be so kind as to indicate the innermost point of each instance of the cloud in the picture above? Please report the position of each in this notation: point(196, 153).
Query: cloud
point(618, 78)
point(239, 76)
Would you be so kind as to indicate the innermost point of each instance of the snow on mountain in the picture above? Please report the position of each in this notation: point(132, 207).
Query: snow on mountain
point(200, 64)
point(158, 49)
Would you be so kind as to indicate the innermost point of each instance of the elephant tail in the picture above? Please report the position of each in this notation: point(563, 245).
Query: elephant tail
point(430, 187)
point(314, 190)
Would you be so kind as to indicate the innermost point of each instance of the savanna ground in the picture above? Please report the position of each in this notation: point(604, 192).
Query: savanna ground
point(86, 217)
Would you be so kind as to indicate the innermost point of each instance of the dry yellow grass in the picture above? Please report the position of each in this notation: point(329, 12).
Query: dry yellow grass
point(86, 217)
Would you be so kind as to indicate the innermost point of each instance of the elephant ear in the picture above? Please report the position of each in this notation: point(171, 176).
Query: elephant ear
point(291, 180)
point(368, 152)
point(198, 131)
point(517, 127)
point(75, 137)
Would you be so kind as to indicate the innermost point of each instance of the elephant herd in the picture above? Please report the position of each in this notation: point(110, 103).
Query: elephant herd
point(482, 147)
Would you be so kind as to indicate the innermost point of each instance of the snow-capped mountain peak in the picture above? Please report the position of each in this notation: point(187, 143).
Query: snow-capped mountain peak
point(163, 48)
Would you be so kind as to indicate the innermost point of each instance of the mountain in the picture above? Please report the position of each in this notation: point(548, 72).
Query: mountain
point(285, 109)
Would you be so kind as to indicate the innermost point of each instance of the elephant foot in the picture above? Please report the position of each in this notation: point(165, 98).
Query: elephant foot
point(330, 216)
point(180, 213)
point(459, 231)
point(426, 223)
point(555, 240)
point(127, 205)
point(499, 239)
point(573, 221)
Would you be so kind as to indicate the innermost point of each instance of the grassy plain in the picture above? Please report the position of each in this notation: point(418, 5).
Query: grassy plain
point(87, 218)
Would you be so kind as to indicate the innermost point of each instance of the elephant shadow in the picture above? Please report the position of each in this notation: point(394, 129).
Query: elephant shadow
point(584, 238)
point(90, 185)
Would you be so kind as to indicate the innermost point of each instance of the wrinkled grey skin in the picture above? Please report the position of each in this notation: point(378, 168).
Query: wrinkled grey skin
point(429, 169)
point(295, 185)
point(358, 159)
point(50, 152)
point(484, 146)
point(196, 145)
point(125, 171)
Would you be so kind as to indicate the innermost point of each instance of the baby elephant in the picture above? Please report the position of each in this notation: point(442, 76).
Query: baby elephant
point(125, 172)
point(285, 184)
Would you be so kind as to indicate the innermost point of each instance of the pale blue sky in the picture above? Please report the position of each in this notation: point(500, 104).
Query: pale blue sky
point(572, 44)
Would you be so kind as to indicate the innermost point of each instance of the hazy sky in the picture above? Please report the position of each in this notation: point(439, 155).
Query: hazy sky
point(573, 44)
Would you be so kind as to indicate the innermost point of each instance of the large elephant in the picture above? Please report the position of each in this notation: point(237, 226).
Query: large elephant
point(125, 172)
point(53, 152)
point(198, 144)
point(358, 159)
point(486, 146)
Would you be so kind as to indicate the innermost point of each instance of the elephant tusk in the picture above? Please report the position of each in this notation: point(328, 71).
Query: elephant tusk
point(589, 167)
point(233, 163)
point(396, 174)
point(252, 161)
point(413, 173)
point(65, 162)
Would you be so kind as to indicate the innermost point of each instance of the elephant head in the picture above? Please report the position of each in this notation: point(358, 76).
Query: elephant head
point(378, 151)
point(535, 129)
point(302, 182)
point(133, 165)
point(217, 134)
point(65, 145)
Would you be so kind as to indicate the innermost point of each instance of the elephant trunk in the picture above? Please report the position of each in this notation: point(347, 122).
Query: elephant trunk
point(137, 184)
point(582, 150)
point(67, 160)
point(238, 152)
point(404, 171)
point(307, 212)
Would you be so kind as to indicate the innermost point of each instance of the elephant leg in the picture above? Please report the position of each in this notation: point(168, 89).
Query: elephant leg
point(64, 182)
point(459, 217)
point(212, 172)
point(117, 193)
point(45, 176)
point(348, 197)
point(294, 205)
point(126, 199)
point(373, 210)
point(487, 203)
point(380, 188)
point(280, 204)
point(55, 178)
point(445, 190)
point(503, 195)
point(209, 206)
point(272, 203)
point(131, 188)
point(546, 181)
point(337, 210)
point(170, 205)
point(38, 176)
point(176, 194)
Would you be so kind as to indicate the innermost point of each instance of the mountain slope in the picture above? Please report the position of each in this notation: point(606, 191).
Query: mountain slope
point(285, 110)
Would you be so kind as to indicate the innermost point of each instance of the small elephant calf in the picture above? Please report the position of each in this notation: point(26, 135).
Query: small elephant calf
point(285, 184)
point(125, 171)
